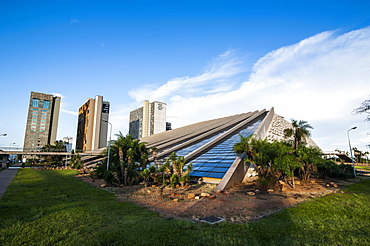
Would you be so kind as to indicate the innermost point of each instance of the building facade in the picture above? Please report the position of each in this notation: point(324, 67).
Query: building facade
point(92, 128)
point(148, 120)
point(209, 145)
point(42, 121)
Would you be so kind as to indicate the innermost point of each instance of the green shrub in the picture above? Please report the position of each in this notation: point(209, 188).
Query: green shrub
point(328, 169)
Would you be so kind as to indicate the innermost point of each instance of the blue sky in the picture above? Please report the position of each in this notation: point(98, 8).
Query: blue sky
point(205, 59)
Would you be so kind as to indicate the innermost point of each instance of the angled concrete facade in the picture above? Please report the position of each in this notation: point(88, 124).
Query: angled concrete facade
point(209, 144)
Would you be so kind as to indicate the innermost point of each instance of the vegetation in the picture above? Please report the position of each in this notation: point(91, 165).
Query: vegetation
point(129, 162)
point(51, 207)
point(58, 146)
point(299, 131)
point(174, 167)
point(281, 160)
point(128, 157)
point(364, 108)
point(75, 161)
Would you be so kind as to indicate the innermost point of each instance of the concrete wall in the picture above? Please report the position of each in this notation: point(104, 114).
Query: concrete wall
point(234, 175)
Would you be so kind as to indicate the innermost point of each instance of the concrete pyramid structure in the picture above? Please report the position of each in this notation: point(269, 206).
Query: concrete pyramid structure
point(209, 144)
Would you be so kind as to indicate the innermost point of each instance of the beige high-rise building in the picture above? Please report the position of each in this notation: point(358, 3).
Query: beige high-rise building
point(148, 120)
point(42, 121)
point(92, 128)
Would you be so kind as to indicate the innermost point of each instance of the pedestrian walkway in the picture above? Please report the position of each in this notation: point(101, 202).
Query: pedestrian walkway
point(6, 177)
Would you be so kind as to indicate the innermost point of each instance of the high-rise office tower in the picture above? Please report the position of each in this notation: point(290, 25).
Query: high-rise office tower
point(42, 121)
point(92, 128)
point(148, 120)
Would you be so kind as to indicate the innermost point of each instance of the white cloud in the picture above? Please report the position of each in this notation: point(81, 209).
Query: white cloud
point(69, 112)
point(320, 79)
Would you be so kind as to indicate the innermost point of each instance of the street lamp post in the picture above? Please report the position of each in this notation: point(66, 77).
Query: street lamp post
point(350, 149)
point(110, 135)
point(10, 146)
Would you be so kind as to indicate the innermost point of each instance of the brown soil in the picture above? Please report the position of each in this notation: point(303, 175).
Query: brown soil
point(235, 205)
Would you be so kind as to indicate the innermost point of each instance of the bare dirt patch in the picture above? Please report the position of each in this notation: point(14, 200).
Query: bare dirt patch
point(240, 204)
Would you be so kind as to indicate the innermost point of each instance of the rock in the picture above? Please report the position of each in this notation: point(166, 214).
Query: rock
point(191, 196)
point(251, 193)
point(212, 197)
point(153, 186)
point(270, 190)
point(218, 191)
point(257, 191)
point(283, 188)
point(149, 191)
point(175, 200)
point(205, 194)
point(312, 181)
point(103, 185)
point(197, 198)
point(179, 194)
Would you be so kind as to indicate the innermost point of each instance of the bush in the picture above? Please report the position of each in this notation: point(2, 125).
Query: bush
point(328, 169)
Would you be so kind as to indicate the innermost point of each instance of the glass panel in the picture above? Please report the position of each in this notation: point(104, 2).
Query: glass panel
point(217, 161)
point(46, 104)
point(35, 103)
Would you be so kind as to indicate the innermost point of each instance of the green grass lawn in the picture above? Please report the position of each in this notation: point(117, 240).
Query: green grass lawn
point(363, 167)
point(51, 207)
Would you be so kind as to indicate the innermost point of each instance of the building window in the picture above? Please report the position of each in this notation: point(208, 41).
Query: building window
point(35, 103)
point(44, 110)
point(46, 104)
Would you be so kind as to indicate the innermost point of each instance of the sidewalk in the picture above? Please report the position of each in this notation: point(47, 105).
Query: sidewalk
point(6, 178)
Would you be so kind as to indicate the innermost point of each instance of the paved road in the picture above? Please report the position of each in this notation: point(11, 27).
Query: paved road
point(6, 177)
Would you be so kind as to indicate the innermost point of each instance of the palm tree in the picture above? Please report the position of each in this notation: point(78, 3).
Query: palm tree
point(299, 132)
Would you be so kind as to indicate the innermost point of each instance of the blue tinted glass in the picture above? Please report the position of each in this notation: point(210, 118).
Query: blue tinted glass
point(215, 175)
point(35, 103)
point(46, 104)
point(215, 162)
point(221, 170)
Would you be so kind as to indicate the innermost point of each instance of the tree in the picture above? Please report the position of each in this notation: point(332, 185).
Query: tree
point(364, 108)
point(75, 161)
point(274, 161)
point(180, 174)
point(310, 157)
point(154, 151)
point(299, 132)
point(58, 146)
point(244, 146)
point(146, 174)
point(128, 157)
